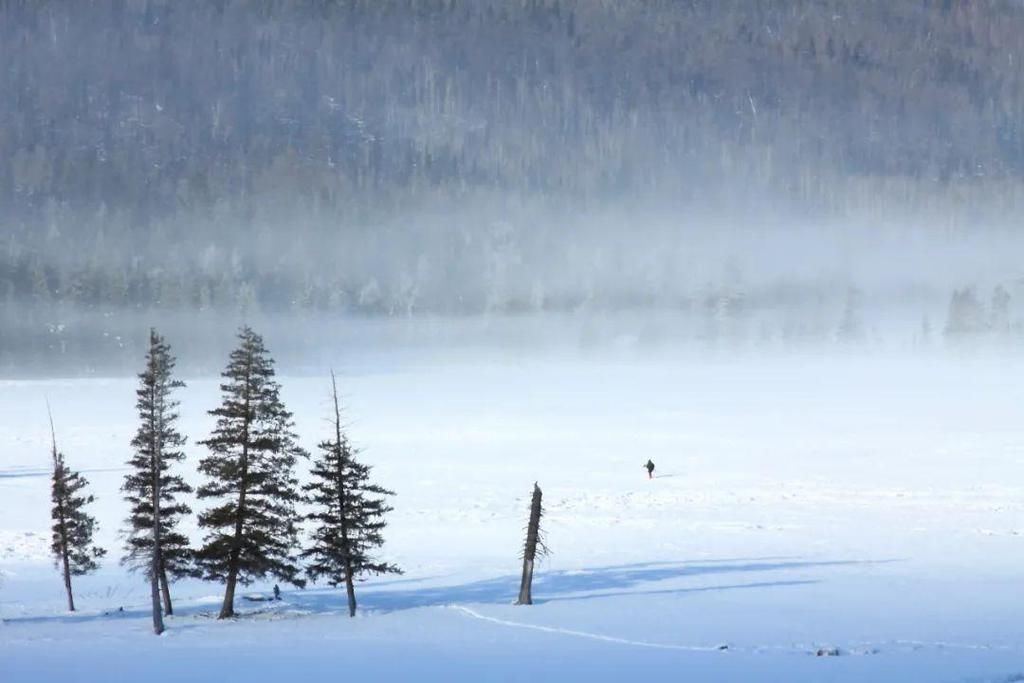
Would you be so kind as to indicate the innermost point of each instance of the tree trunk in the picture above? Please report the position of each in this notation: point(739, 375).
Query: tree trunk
point(154, 581)
point(165, 588)
point(157, 565)
point(530, 550)
point(154, 590)
point(350, 589)
point(67, 574)
point(227, 610)
point(526, 585)
point(154, 577)
point(65, 560)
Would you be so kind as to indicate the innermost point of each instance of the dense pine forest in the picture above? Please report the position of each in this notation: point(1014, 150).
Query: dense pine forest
point(398, 157)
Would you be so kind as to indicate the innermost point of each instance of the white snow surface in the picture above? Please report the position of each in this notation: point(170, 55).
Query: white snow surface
point(864, 504)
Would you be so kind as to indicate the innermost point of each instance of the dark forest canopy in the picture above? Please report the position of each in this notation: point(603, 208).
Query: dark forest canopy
point(464, 155)
point(152, 108)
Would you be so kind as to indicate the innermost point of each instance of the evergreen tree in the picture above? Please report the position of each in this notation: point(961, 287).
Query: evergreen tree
point(851, 326)
point(154, 544)
point(999, 315)
point(252, 530)
point(966, 314)
point(349, 513)
point(72, 546)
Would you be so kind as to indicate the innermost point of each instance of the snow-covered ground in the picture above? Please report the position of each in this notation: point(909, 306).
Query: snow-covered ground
point(869, 504)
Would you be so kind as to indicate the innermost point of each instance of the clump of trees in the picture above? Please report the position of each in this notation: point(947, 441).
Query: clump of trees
point(252, 523)
point(969, 317)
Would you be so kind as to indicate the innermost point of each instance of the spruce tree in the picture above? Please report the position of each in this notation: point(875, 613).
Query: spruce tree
point(153, 543)
point(252, 529)
point(349, 511)
point(72, 546)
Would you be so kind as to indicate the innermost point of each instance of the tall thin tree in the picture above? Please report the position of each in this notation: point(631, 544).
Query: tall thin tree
point(252, 528)
point(349, 513)
point(154, 543)
point(72, 544)
point(533, 548)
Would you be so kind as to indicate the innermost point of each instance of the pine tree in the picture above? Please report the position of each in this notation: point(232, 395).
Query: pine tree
point(153, 543)
point(72, 546)
point(349, 511)
point(252, 530)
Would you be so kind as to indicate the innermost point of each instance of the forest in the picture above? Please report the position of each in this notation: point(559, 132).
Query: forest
point(453, 157)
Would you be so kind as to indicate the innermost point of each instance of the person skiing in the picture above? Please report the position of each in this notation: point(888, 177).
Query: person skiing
point(650, 468)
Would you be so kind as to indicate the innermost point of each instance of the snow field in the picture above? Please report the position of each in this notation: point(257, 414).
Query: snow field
point(872, 505)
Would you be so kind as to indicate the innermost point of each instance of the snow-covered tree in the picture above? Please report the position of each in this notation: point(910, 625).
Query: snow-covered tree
point(154, 543)
point(349, 513)
point(72, 544)
point(252, 527)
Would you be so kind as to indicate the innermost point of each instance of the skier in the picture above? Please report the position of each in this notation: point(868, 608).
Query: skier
point(650, 469)
point(277, 592)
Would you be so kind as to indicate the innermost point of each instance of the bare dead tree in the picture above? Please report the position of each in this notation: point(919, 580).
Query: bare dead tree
point(533, 549)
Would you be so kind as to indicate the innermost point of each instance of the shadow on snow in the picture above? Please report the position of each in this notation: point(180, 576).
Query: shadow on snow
point(552, 586)
point(565, 585)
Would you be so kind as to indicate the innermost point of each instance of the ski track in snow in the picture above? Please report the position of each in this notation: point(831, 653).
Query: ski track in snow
point(858, 649)
point(582, 634)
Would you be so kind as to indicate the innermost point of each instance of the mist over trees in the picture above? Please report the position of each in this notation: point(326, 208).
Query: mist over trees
point(462, 156)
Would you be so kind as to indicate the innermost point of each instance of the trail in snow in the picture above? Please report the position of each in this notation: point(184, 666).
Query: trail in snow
point(863, 648)
point(584, 634)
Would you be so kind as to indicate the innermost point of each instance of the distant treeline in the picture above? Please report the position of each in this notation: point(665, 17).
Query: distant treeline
point(69, 340)
point(456, 156)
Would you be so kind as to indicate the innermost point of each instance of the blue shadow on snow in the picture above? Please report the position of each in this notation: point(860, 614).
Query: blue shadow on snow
point(553, 586)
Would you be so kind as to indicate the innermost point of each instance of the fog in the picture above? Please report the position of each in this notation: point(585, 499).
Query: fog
point(574, 174)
